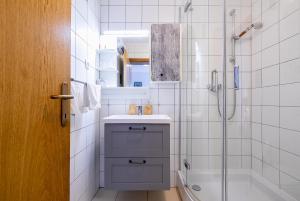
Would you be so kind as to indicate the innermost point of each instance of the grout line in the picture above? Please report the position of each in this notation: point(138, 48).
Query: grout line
point(293, 177)
point(125, 20)
point(279, 89)
point(208, 76)
point(261, 99)
point(280, 41)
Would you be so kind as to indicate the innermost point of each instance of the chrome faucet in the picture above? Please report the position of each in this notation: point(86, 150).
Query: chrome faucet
point(139, 110)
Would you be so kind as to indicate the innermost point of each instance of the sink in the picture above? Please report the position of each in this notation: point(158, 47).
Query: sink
point(145, 119)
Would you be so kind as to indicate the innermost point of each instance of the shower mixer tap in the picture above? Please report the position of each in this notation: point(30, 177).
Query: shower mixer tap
point(214, 86)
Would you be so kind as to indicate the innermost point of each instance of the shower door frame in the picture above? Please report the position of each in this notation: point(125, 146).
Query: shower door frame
point(224, 169)
point(224, 117)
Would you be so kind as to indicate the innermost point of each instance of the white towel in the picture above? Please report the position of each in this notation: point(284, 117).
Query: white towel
point(94, 96)
point(79, 103)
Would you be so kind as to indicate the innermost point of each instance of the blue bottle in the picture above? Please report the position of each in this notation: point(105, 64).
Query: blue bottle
point(236, 77)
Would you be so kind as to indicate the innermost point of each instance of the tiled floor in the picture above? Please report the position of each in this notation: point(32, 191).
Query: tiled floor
point(171, 195)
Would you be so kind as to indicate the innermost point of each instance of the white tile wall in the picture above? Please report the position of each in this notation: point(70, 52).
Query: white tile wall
point(275, 82)
point(85, 128)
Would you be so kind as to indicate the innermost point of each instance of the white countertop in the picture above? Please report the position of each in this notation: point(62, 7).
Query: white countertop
point(144, 119)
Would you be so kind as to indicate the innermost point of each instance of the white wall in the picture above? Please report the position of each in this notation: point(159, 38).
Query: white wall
point(138, 49)
point(84, 170)
point(136, 15)
point(276, 87)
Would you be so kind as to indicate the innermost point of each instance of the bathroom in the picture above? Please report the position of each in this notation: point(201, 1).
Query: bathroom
point(222, 113)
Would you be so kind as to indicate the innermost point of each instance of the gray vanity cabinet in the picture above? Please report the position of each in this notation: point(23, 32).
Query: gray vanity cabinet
point(137, 156)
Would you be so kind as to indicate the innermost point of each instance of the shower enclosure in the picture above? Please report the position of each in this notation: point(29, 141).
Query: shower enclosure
point(231, 148)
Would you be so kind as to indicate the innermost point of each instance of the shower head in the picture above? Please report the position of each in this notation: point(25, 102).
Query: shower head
point(257, 25)
point(232, 12)
point(187, 6)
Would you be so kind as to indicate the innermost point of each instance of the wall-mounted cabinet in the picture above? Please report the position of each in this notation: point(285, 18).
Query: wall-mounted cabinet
point(165, 52)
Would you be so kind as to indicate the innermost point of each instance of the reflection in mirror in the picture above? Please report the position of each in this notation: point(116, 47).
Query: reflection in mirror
point(124, 59)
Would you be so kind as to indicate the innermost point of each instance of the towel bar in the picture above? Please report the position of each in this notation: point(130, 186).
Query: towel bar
point(78, 81)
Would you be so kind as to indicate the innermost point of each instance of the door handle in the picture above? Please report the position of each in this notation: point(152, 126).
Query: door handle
point(137, 163)
point(137, 128)
point(64, 106)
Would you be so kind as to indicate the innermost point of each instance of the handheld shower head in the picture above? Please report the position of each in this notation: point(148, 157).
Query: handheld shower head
point(257, 25)
point(187, 6)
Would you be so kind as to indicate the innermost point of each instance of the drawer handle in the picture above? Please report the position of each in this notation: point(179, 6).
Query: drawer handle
point(137, 128)
point(137, 163)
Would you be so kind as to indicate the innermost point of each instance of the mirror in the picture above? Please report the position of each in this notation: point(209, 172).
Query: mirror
point(124, 59)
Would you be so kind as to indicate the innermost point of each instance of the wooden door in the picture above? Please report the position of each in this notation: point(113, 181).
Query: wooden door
point(35, 60)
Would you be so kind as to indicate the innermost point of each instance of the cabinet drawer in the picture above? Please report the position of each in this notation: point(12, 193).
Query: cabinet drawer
point(135, 127)
point(137, 173)
point(136, 140)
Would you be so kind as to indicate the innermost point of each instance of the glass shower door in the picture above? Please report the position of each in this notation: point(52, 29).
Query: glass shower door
point(201, 101)
point(185, 117)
